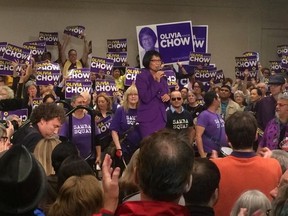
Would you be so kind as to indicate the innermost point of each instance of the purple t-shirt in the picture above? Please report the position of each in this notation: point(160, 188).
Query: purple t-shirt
point(214, 136)
point(81, 134)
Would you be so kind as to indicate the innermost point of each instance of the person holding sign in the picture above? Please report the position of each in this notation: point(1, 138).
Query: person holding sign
point(153, 95)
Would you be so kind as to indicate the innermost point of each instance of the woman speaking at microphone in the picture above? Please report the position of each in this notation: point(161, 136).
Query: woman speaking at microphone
point(153, 95)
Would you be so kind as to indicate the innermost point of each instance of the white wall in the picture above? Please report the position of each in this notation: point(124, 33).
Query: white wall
point(235, 26)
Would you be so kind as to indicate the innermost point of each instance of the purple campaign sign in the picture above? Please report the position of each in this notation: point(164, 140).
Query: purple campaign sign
point(106, 86)
point(6, 68)
point(15, 53)
point(36, 102)
point(284, 61)
point(248, 62)
point(130, 75)
point(188, 68)
point(21, 113)
point(171, 78)
point(220, 77)
point(199, 59)
point(35, 43)
point(117, 45)
point(282, 49)
point(205, 75)
point(51, 38)
point(102, 126)
point(47, 66)
point(76, 87)
point(200, 38)
point(47, 77)
point(82, 74)
point(239, 74)
point(120, 59)
point(248, 53)
point(75, 31)
point(101, 65)
point(35, 50)
point(276, 67)
point(2, 48)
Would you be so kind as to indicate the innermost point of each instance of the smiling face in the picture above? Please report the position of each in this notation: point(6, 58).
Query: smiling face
point(155, 63)
point(147, 42)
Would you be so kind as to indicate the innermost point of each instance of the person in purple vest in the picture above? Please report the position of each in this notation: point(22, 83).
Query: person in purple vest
point(153, 95)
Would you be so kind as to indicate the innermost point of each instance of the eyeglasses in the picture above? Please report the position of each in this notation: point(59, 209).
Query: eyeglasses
point(3, 139)
point(281, 104)
point(176, 98)
point(156, 60)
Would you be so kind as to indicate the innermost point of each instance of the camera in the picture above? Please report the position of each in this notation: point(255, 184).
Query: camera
point(13, 122)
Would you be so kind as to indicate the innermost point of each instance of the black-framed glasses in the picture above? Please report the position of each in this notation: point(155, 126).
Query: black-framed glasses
point(3, 138)
point(176, 98)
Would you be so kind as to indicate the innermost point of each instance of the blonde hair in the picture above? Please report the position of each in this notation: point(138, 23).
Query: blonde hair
point(131, 90)
point(79, 195)
point(43, 152)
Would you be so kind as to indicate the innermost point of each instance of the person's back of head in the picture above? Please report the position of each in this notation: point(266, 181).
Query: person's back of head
point(282, 157)
point(79, 195)
point(280, 203)
point(241, 129)
point(204, 189)
point(164, 166)
point(253, 201)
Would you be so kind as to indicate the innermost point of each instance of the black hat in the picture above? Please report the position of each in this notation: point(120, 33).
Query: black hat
point(276, 79)
point(22, 181)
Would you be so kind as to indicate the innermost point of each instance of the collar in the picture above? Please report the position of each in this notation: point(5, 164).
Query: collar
point(243, 154)
point(173, 109)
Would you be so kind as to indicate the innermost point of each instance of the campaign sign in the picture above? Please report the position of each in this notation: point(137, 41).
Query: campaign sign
point(106, 86)
point(15, 53)
point(75, 31)
point(284, 61)
point(36, 102)
point(102, 127)
point(200, 38)
point(199, 59)
point(239, 74)
point(47, 77)
point(35, 43)
point(82, 74)
point(47, 66)
point(6, 68)
point(220, 77)
point(117, 45)
point(35, 50)
point(248, 62)
point(171, 78)
point(282, 49)
point(76, 87)
point(205, 75)
point(130, 75)
point(276, 67)
point(51, 38)
point(21, 113)
point(189, 69)
point(2, 48)
point(172, 40)
point(248, 53)
point(119, 59)
point(101, 65)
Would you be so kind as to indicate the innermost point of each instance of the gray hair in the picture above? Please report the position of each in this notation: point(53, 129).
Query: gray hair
point(282, 157)
point(283, 96)
point(10, 93)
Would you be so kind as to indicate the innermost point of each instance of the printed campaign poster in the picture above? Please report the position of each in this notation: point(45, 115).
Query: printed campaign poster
point(35, 43)
point(47, 77)
point(130, 75)
point(102, 127)
point(284, 61)
point(205, 76)
point(76, 87)
point(243, 63)
point(2, 48)
point(171, 78)
point(220, 77)
point(199, 59)
point(6, 68)
point(117, 45)
point(101, 65)
point(82, 74)
point(172, 40)
point(21, 113)
point(51, 38)
point(35, 50)
point(200, 38)
point(75, 31)
point(15, 53)
point(282, 49)
point(248, 53)
point(47, 66)
point(120, 59)
point(106, 86)
point(36, 102)
point(277, 67)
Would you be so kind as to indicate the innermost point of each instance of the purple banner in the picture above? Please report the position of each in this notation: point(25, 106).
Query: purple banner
point(249, 62)
point(172, 40)
point(36, 102)
point(120, 59)
point(282, 49)
point(220, 77)
point(75, 31)
point(6, 68)
point(47, 77)
point(35, 43)
point(21, 113)
point(101, 65)
point(171, 78)
point(239, 74)
point(200, 38)
point(47, 66)
point(284, 61)
point(51, 38)
point(102, 127)
point(189, 69)
point(106, 86)
point(199, 59)
point(15, 53)
point(35, 50)
point(276, 67)
point(205, 75)
point(117, 45)
point(76, 87)
point(2, 48)
point(82, 74)
point(130, 75)
point(248, 53)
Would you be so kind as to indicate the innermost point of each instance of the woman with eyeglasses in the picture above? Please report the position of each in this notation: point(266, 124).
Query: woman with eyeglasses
point(153, 95)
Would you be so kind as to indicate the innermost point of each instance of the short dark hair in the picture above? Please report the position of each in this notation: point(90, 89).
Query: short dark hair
point(71, 50)
point(47, 111)
point(164, 165)
point(241, 129)
point(206, 178)
point(259, 92)
point(147, 31)
point(49, 96)
point(201, 85)
point(226, 86)
point(209, 98)
point(148, 56)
